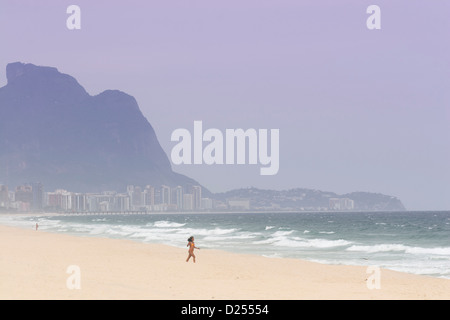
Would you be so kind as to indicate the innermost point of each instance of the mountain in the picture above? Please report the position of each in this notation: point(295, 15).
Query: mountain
point(375, 201)
point(52, 131)
point(309, 199)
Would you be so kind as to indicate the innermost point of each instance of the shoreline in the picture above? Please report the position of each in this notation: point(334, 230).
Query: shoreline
point(88, 213)
point(34, 265)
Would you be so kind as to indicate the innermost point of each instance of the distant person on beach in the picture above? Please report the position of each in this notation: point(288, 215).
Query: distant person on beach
point(191, 246)
point(37, 226)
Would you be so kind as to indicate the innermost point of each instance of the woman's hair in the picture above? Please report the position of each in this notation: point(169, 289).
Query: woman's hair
point(190, 238)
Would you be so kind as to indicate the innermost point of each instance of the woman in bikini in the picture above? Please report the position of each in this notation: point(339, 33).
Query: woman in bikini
point(191, 246)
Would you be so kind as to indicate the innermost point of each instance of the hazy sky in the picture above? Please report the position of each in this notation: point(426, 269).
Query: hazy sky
point(357, 109)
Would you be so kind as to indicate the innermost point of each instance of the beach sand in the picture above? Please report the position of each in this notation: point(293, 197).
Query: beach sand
point(34, 265)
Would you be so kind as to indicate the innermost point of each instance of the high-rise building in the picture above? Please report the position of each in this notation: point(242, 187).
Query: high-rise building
point(92, 202)
point(4, 196)
point(79, 203)
point(130, 192)
point(122, 202)
point(334, 203)
point(24, 194)
point(66, 201)
point(188, 201)
point(38, 196)
point(54, 200)
point(165, 195)
point(197, 194)
point(157, 196)
point(137, 197)
point(178, 193)
point(347, 204)
point(207, 203)
point(341, 204)
point(149, 196)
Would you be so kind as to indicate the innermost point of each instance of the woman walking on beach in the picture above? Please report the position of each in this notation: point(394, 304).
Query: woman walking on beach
point(191, 246)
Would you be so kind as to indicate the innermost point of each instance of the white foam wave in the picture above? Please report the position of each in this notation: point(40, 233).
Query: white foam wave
point(377, 248)
point(445, 251)
point(273, 255)
point(227, 237)
point(310, 243)
point(167, 224)
point(265, 241)
point(282, 233)
point(401, 248)
point(208, 232)
point(98, 229)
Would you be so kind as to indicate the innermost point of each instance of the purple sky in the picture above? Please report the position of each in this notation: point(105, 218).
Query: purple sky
point(357, 109)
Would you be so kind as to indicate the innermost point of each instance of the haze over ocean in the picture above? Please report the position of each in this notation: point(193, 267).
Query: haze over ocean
point(357, 109)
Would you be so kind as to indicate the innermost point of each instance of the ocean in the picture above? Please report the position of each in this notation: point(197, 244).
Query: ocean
point(411, 241)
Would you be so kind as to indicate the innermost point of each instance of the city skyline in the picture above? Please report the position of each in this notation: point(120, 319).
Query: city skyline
point(32, 197)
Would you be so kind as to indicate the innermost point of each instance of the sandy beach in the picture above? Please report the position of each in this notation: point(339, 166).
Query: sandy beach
point(43, 265)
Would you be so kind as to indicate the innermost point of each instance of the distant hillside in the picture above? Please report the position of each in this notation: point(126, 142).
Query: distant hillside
point(375, 201)
point(307, 199)
point(52, 131)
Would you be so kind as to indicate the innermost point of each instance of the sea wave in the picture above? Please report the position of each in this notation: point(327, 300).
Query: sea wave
point(282, 233)
point(310, 237)
point(227, 237)
point(401, 248)
point(297, 242)
point(208, 232)
point(310, 243)
point(167, 224)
